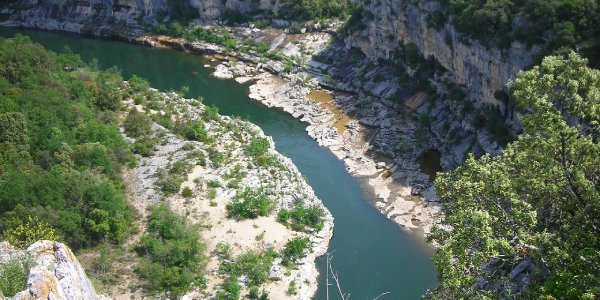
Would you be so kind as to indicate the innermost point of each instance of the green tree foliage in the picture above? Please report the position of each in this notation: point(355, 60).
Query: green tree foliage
point(13, 130)
point(294, 250)
point(26, 234)
point(257, 147)
point(249, 204)
point(173, 253)
point(300, 218)
point(252, 264)
point(314, 9)
point(61, 151)
point(137, 124)
point(534, 208)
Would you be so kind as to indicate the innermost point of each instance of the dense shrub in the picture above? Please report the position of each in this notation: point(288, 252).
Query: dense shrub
point(26, 234)
point(137, 124)
point(257, 147)
point(252, 264)
point(314, 9)
point(294, 250)
point(300, 217)
point(13, 275)
point(249, 204)
point(222, 38)
point(173, 253)
point(195, 131)
point(144, 146)
point(138, 84)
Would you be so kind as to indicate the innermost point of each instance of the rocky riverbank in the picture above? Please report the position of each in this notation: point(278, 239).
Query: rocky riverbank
point(365, 137)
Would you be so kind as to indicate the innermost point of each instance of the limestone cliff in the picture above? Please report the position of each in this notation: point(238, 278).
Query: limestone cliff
point(55, 273)
point(213, 9)
point(133, 12)
point(89, 10)
point(482, 70)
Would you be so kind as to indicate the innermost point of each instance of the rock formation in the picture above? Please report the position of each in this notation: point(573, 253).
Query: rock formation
point(482, 70)
point(55, 273)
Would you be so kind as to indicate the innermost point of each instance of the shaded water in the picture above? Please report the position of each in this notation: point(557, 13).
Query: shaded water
point(372, 254)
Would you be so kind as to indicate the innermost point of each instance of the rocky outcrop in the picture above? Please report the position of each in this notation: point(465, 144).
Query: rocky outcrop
point(90, 10)
point(131, 12)
point(481, 70)
point(55, 272)
point(213, 9)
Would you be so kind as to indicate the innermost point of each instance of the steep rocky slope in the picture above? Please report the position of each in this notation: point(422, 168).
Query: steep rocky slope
point(55, 272)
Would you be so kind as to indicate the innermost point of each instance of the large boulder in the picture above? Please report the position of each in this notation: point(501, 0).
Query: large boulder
point(55, 272)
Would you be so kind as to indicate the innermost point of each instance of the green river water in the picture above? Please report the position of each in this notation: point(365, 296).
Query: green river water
point(372, 254)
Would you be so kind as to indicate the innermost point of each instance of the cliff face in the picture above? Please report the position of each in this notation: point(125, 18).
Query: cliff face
point(88, 10)
point(55, 274)
point(482, 70)
point(132, 10)
point(213, 9)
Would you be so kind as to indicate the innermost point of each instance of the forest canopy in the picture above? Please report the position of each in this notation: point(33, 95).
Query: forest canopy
point(61, 151)
point(526, 224)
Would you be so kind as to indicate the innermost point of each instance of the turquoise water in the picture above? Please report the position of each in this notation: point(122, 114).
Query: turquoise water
point(372, 254)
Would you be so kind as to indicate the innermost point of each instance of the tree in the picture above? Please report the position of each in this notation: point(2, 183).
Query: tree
point(13, 129)
point(525, 224)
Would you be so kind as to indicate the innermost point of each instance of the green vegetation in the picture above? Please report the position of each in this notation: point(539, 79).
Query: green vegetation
point(292, 289)
point(537, 205)
point(195, 131)
point(294, 250)
point(249, 204)
point(187, 192)
point(31, 231)
point(173, 254)
point(137, 124)
point(300, 218)
point(13, 275)
point(257, 147)
point(222, 37)
point(61, 151)
point(569, 23)
point(306, 10)
point(170, 182)
point(253, 265)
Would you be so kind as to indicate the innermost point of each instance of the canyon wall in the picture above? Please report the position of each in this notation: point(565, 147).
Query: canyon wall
point(89, 10)
point(481, 70)
point(133, 10)
point(213, 9)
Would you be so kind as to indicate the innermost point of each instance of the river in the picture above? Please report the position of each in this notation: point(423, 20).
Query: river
point(372, 255)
